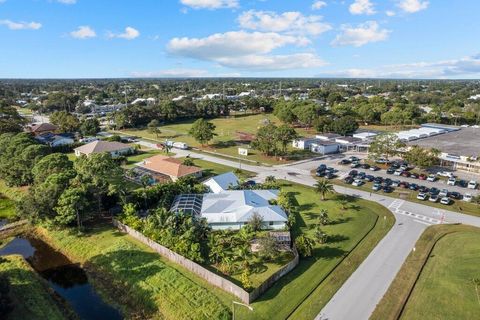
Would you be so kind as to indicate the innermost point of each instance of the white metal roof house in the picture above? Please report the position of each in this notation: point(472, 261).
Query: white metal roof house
point(222, 182)
point(234, 209)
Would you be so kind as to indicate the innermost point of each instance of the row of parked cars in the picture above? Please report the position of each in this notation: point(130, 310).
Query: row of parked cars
point(387, 185)
point(326, 172)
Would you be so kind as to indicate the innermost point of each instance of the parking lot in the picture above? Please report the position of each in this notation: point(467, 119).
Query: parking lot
point(343, 170)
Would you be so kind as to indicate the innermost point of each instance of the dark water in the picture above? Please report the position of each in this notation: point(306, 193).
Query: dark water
point(67, 279)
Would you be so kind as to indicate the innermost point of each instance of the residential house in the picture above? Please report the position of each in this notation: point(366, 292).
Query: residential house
point(222, 182)
point(42, 128)
point(116, 149)
point(55, 140)
point(160, 167)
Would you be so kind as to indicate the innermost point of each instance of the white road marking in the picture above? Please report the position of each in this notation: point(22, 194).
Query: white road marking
point(422, 222)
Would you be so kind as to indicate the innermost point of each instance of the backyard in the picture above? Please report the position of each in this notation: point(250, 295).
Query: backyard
point(443, 266)
point(29, 292)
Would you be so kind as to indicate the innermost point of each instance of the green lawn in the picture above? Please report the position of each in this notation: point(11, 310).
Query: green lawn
point(138, 281)
point(29, 292)
point(302, 293)
point(435, 282)
point(406, 194)
point(225, 141)
point(213, 169)
point(7, 208)
point(140, 156)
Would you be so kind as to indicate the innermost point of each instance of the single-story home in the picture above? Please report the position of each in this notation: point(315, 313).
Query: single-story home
point(116, 149)
point(222, 182)
point(41, 128)
point(325, 147)
point(55, 140)
point(170, 167)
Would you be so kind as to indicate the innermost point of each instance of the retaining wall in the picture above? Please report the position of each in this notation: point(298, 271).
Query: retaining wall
point(212, 278)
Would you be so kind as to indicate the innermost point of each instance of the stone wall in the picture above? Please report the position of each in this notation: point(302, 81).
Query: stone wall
point(212, 278)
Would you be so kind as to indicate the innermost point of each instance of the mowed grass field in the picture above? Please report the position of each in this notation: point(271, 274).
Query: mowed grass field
point(435, 281)
point(29, 293)
point(225, 141)
point(445, 289)
point(138, 281)
point(354, 232)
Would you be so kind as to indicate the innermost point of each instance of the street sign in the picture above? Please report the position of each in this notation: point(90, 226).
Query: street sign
point(243, 151)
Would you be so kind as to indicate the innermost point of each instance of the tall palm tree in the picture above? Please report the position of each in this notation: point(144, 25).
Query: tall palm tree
point(323, 187)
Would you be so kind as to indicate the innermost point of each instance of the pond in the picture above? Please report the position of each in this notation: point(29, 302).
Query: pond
point(67, 279)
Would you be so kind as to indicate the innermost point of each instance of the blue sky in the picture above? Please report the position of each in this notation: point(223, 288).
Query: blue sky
point(222, 38)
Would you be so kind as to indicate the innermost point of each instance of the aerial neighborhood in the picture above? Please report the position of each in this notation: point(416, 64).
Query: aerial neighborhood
point(235, 159)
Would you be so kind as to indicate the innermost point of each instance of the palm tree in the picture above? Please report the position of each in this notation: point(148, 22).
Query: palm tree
point(243, 254)
point(324, 219)
point(323, 187)
point(321, 236)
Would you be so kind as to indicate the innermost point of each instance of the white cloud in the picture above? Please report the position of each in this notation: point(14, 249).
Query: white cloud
point(210, 4)
point(467, 67)
point(362, 7)
point(390, 13)
point(172, 73)
point(129, 34)
point(364, 33)
point(289, 22)
point(83, 32)
point(317, 5)
point(412, 6)
point(245, 50)
point(21, 25)
point(67, 1)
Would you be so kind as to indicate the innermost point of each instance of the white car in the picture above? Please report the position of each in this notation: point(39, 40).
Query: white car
point(398, 172)
point(431, 178)
point(467, 197)
point(422, 196)
point(433, 198)
point(357, 183)
point(445, 200)
point(472, 184)
point(443, 193)
point(446, 174)
point(451, 181)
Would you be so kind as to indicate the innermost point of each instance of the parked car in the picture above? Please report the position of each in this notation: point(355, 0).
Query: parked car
point(387, 189)
point(422, 196)
point(321, 173)
point(348, 180)
point(378, 180)
point(434, 191)
point(451, 181)
point(398, 172)
point(432, 178)
point(447, 174)
point(369, 178)
point(433, 198)
point(467, 197)
point(353, 158)
point(390, 170)
point(387, 181)
point(357, 182)
point(422, 177)
point(443, 193)
point(413, 186)
point(403, 184)
point(382, 161)
point(423, 189)
point(322, 167)
point(462, 183)
point(413, 176)
point(395, 165)
point(377, 187)
point(374, 168)
point(405, 174)
point(344, 162)
point(472, 184)
point(455, 195)
point(355, 165)
point(353, 173)
point(330, 175)
point(361, 175)
point(365, 166)
point(331, 169)
point(250, 183)
point(445, 200)
point(395, 183)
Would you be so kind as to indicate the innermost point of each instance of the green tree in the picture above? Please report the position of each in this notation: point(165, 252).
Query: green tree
point(285, 135)
point(73, 205)
point(90, 127)
point(268, 247)
point(422, 157)
point(304, 245)
point(323, 187)
point(153, 128)
point(266, 140)
point(323, 217)
point(256, 222)
point(52, 164)
point(321, 236)
point(202, 131)
point(66, 122)
point(345, 125)
point(6, 305)
point(10, 119)
point(385, 145)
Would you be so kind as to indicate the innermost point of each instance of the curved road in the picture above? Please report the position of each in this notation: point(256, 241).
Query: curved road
point(360, 294)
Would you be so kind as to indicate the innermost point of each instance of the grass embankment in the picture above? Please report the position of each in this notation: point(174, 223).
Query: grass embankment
point(303, 292)
point(227, 140)
point(138, 281)
point(435, 282)
point(7, 208)
point(30, 295)
point(8, 196)
point(408, 195)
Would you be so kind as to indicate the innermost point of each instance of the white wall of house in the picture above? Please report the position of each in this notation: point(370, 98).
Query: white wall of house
point(277, 225)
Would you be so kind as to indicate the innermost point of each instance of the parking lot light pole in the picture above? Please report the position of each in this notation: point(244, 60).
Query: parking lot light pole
point(240, 304)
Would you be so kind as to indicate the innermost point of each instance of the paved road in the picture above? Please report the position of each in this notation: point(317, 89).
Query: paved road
point(360, 294)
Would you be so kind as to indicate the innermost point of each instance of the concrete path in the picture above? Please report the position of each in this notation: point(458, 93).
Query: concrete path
point(360, 294)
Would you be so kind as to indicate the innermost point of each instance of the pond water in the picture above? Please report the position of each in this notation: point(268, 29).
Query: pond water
point(67, 279)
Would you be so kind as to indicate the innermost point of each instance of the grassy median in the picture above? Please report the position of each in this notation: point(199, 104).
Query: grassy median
point(435, 282)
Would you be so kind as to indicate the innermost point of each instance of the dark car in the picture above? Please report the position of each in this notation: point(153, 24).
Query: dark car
point(378, 179)
point(355, 165)
point(434, 191)
point(348, 180)
point(365, 166)
point(387, 189)
point(413, 186)
point(387, 181)
point(462, 183)
point(369, 177)
point(345, 162)
point(361, 175)
point(374, 168)
point(321, 173)
point(322, 167)
point(353, 173)
point(395, 165)
point(455, 195)
point(423, 189)
point(330, 169)
point(403, 184)
point(250, 183)
point(405, 174)
point(390, 170)
point(330, 175)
